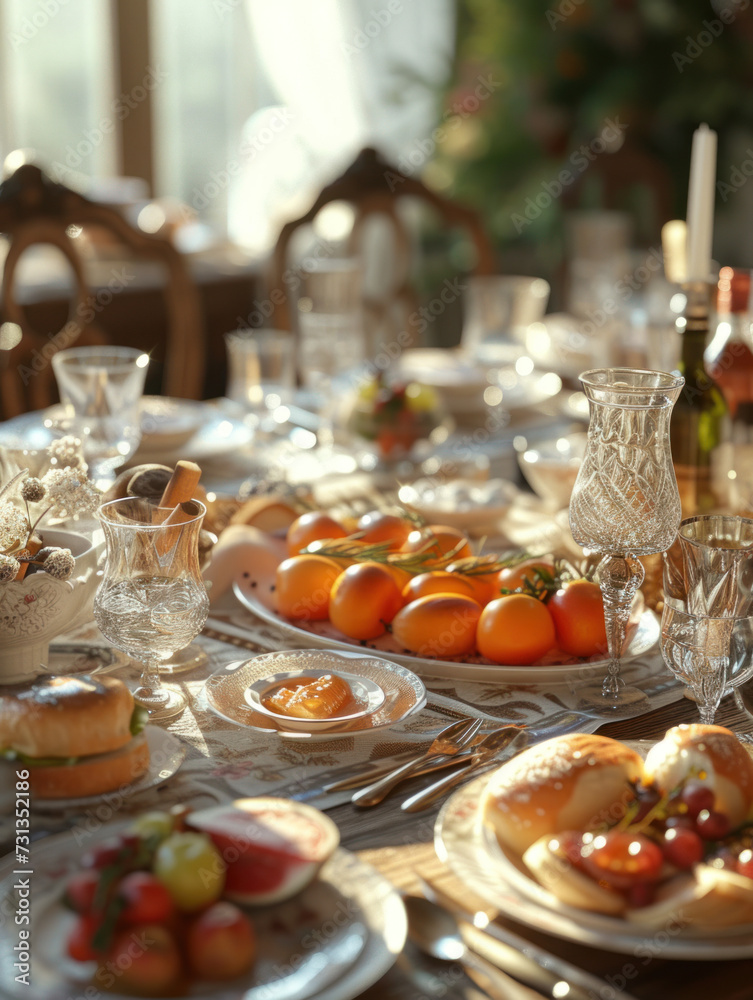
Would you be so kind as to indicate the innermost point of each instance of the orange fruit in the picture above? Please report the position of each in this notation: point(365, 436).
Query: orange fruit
point(518, 577)
point(439, 625)
point(485, 586)
point(577, 610)
point(303, 585)
point(436, 582)
point(376, 526)
point(436, 542)
point(310, 527)
point(364, 600)
point(515, 630)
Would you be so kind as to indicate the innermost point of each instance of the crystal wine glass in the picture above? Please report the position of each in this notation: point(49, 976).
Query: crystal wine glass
point(625, 502)
point(152, 600)
point(707, 623)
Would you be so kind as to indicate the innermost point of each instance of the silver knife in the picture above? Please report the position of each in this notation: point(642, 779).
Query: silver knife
point(521, 959)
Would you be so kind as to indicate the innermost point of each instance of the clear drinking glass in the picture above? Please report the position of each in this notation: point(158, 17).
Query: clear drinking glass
point(101, 388)
point(261, 368)
point(497, 311)
point(707, 624)
point(625, 501)
point(330, 323)
point(152, 600)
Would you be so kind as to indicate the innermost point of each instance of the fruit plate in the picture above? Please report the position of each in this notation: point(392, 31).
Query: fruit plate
point(463, 842)
point(256, 594)
point(333, 940)
point(166, 754)
point(404, 693)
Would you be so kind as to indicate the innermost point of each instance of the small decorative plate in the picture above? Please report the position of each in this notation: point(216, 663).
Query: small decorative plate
point(404, 693)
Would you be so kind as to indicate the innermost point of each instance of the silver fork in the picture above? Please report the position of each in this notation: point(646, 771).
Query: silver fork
point(449, 742)
point(483, 753)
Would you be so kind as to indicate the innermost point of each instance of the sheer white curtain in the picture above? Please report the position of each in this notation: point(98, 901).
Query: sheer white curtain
point(333, 76)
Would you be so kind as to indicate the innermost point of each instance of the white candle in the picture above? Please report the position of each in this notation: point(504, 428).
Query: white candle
point(701, 190)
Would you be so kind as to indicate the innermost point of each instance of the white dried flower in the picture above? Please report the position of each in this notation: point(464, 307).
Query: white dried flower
point(9, 567)
point(59, 564)
point(70, 492)
point(66, 452)
point(32, 490)
point(13, 525)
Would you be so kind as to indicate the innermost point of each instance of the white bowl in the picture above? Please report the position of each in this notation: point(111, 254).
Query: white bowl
point(551, 467)
point(35, 610)
point(365, 692)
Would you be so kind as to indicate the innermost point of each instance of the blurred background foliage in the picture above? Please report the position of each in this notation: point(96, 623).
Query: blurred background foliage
point(561, 70)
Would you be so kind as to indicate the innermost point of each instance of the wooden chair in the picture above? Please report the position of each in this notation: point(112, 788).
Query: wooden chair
point(36, 210)
point(376, 188)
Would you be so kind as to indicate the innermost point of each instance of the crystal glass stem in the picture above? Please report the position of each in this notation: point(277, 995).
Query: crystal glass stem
point(620, 577)
point(150, 691)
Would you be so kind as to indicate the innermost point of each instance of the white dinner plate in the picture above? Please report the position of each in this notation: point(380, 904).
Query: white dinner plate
point(462, 841)
point(216, 431)
point(258, 598)
point(333, 940)
point(166, 754)
point(404, 694)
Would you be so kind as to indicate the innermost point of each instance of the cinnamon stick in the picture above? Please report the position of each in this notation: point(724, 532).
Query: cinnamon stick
point(182, 484)
point(180, 514)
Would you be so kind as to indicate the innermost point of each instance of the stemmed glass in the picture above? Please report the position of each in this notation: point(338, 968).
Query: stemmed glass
point(100, 388)
point(152, 600)
point(707, 622)
point(625, 502)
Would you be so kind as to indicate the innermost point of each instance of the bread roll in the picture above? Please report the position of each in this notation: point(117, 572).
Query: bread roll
point(67, 717)
point(710, 754)
point(92, 775)
point(573, 782)
point(74, 735)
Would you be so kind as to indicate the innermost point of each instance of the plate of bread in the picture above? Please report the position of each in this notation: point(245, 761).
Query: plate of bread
point(637, 848)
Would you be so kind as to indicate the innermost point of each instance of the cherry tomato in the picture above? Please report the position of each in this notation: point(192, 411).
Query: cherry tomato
point(577, 610)
point(376, 526)
point(80, 942)
point(364, 599)
point(527, 576)
point(440, 625)
point(516, 630)
point(81, 889)
point(146, 899)
point(303, 586)
point(622, 858)
point(436, 542)
point(437, 582)
point(312, 527)
point(120, 850)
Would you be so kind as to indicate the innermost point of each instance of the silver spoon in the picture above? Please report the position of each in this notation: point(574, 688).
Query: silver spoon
point(435, 932)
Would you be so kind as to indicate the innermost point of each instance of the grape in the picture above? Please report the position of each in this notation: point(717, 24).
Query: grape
point(680, 823)
point(712, 825)
point(682, 847)
point(192, 870)
point(744, 864)
point(153, 824)
point(697, 797)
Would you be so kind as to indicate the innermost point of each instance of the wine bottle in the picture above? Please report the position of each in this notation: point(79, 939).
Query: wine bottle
point(729, 355)
point(700, 418)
